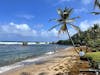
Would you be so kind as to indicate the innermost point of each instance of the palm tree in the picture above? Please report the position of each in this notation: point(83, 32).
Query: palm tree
point(64, 21)
point(94, 31)
point(96, 4)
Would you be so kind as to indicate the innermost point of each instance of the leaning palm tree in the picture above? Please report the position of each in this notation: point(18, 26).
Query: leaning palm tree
point(64, 21)
point(96, 4)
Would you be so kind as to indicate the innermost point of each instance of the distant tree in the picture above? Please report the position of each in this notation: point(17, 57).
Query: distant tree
point(64, 21)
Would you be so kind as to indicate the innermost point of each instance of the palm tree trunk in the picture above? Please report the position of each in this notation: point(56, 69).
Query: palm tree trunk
point(71, 40)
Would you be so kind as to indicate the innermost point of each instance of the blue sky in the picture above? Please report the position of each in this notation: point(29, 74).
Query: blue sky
point(27, 20)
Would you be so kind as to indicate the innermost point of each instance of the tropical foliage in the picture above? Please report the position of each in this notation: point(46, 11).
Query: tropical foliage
point(94, 55)
point(91, 37)
point(94, 59)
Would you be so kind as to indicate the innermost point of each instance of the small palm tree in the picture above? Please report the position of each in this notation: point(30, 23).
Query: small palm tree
point(64, 21)
point(96, 4)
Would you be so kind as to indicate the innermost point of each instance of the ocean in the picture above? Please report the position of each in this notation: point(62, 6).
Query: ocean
point(12, 56)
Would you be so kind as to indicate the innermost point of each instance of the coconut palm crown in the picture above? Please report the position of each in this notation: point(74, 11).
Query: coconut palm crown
point(64, 21)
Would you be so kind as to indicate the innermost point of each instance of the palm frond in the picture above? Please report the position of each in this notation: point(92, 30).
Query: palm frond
point(70, 20)
point(76, 28)
point(54, 27)
point(53, 20)
point(97, 3)
point(95, 13)
point(76, 17)
point(60, 12)
point(70, 11)
point(56, 20)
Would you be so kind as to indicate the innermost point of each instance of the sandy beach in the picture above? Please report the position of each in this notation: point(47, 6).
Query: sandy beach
point(61, 61)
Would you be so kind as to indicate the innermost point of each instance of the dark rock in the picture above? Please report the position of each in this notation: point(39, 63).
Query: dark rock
point(25, 73)
point(59, 73)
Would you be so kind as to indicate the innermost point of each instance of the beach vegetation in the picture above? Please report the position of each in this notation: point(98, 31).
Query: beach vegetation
point(94, 55)
point(90, 37)
point(95, 59)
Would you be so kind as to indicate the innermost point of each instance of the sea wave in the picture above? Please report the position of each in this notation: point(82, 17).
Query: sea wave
point(37, 60)
point(49, 53)
point(7, 68)
point(25, 55)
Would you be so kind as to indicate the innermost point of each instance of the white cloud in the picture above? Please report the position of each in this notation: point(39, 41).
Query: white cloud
point(87, 1)
point(20, 26)
point(19, 29)
point(52, 33)
point(24, 30)
point(14, 30)
point(84, 25)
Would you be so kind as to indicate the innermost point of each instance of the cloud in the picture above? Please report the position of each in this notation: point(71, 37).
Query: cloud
point(25, 32)
point(87, 1)
point(22, 32)
point(14, 30)
point(18, 29)
point(26, 16)
point(84, 25)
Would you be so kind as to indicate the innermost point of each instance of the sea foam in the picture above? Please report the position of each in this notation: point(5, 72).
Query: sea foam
point(25, 63)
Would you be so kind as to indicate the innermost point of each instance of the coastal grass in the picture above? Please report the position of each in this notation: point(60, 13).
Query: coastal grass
point(94, 55)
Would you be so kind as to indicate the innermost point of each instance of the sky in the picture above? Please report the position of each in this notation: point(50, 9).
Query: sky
point(28, 20)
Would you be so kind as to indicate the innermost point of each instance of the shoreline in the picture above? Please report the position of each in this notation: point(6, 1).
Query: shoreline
point(41, 62)
point(17, 53)
point(28, 61)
